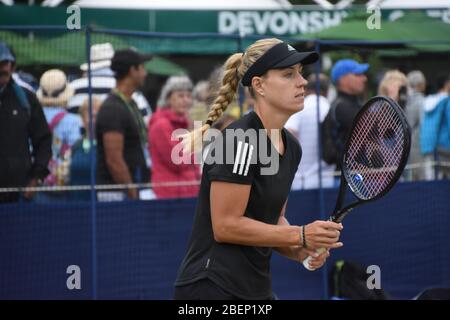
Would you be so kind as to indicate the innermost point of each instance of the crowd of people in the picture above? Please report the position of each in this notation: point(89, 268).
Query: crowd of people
point(52, 137)
point(428, 118)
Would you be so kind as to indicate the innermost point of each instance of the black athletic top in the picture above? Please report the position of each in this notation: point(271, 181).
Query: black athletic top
point(243, 271)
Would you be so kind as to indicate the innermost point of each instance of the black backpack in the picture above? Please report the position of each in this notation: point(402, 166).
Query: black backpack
point(349, 281)
point(331, 143)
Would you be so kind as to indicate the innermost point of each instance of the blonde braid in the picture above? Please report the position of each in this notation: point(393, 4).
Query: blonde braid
point(193, 141)
point(228, 89)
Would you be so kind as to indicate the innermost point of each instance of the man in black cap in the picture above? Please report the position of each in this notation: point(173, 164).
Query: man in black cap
point(22, 122)
point(120, 130)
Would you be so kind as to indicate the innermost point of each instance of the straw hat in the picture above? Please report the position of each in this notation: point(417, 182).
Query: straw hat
point(101, 55)
point(54, 89)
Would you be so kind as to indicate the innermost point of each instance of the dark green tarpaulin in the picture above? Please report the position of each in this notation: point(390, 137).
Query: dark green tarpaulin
point(68, 49)
point(416, 30)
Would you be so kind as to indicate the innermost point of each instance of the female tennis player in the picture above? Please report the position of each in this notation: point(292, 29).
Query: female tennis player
point(246, 181)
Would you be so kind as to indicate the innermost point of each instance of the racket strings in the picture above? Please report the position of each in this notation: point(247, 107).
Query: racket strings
point(375, 150)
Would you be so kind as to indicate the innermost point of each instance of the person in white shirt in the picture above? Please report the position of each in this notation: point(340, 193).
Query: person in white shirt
point(304, 126)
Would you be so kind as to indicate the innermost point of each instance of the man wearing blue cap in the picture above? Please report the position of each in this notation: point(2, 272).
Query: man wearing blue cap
point(22, 122)
point(350, 81)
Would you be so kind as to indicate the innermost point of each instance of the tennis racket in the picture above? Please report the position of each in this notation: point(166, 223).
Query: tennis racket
point(375, 154)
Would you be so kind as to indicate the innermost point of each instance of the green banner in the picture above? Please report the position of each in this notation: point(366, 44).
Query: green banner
point(356, 23)
point(279, 23)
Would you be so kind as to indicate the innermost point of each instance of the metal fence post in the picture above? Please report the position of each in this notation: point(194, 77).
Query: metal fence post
point(92, 162)
point(319, 157)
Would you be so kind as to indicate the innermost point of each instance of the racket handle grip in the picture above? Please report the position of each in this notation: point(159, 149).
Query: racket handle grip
point(307, 260)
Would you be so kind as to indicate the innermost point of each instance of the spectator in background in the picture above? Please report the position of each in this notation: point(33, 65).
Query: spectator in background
point(53, 94)
point(214, 83)
point(120, 130)
point(80, 166)
point(199, 110)
point(350, 80)
point(248, 102)
point(394, 85)
point(435, 129)
point(304, 126)
point(102, 81)
point(414, 113)
point(26, 80)
point(102, 77)
point(174, 104)
point(22, 123)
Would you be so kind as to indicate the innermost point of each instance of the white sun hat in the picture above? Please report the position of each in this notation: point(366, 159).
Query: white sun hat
point(101, 55)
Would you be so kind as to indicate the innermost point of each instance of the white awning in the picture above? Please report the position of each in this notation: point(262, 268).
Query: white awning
point(186, 4)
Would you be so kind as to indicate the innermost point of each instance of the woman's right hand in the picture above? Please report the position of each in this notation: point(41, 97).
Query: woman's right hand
point(323, 234)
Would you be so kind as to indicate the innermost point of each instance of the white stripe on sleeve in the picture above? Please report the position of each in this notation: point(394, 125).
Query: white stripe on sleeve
point(238, 156)
point(248, 160)
point(243, 159)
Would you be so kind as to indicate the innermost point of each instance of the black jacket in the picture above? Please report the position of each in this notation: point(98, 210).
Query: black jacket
point(347, 107)
point(25, 138)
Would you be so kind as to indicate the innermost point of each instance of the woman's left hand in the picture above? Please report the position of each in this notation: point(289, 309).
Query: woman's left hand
point(317, 261)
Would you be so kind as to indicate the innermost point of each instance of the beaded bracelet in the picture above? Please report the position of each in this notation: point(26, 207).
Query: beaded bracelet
point(304, 237)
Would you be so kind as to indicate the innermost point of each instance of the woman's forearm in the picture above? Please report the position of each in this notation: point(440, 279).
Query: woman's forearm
point(246, 231)
point(290, 252)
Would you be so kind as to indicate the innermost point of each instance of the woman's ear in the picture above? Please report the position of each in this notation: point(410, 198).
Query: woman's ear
point(257, 85)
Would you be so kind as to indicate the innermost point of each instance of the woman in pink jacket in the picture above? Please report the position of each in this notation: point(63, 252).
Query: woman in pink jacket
point(172, 180)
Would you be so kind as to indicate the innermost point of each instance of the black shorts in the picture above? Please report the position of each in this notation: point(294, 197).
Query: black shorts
point(203, 289)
